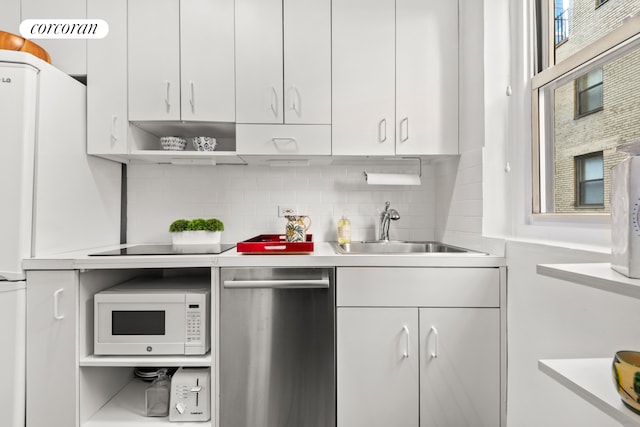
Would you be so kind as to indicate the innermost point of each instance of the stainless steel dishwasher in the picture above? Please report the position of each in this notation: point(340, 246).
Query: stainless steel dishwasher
point(277, 347)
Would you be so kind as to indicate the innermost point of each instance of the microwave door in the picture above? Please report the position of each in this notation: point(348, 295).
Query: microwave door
point(140, 328)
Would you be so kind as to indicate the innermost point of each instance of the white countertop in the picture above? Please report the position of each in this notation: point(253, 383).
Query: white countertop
point(323, 255)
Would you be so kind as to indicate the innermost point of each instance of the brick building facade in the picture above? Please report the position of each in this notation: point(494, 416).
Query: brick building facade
point(618, 121)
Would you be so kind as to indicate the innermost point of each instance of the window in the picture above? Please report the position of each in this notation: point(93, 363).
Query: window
point(600, 2)
point(589, 93)
point(593, 70)
point(590, 180)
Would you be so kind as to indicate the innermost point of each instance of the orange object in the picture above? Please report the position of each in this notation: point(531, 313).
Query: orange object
point(9, 41)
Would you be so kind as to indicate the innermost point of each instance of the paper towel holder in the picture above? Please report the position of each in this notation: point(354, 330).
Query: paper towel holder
point(411, 179)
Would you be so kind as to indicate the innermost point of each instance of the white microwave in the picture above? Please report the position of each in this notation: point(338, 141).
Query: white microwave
point(153, 316)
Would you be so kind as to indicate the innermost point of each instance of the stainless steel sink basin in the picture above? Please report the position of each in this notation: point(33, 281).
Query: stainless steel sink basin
point(397, 247)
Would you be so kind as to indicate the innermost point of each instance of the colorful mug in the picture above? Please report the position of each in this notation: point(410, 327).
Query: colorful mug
point(296, 229)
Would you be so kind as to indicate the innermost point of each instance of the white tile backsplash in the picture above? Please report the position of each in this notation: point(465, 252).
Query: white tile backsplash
point(463, 219)
point(246, 199)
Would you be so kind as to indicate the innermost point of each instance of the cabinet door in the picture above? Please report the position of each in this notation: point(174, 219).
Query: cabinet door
point(459, 367)
point(107, 120)
point(363, 92)
point(52, 348)
point(377, 367)
point(68, 55)
point(207, 60)
point(307, 61)
point(259, 69)
point(427, 77)
point(154, 60)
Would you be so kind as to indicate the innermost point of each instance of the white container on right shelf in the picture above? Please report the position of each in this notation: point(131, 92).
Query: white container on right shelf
point(625, 217)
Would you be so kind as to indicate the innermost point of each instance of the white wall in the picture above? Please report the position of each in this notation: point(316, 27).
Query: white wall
point(459, 212)
point(246, 199)
point(549, 318)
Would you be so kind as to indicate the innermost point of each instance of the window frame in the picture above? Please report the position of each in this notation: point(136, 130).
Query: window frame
point(625, 34)
point(579, 175)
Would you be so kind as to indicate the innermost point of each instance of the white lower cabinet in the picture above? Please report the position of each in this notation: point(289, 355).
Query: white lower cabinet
point(459, 367)
point(403, 364)
point(377, 367)
point(52, 361)
point(69, 386)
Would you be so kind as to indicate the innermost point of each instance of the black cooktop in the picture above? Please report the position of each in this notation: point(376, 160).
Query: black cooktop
point(168, 249)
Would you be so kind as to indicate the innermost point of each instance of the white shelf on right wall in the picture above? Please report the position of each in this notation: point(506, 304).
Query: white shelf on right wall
point(594, 275)
point(592, 379)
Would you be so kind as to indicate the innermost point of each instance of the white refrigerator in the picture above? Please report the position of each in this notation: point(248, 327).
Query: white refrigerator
point(53, 197)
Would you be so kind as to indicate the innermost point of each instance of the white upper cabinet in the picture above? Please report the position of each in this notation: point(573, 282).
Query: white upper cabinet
point(107, 123)
point(307, 61)
point(259, 68)
point(181, 64)
point(283, 61)
point(394, 77)
point(426, 77)
point(206, 58)
point(363, 77)
point(154, 60)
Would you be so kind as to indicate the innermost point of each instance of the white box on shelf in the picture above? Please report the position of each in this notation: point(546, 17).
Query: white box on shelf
point(625, 221)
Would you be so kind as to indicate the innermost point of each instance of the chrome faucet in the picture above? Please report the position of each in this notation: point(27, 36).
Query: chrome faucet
point(385, 220)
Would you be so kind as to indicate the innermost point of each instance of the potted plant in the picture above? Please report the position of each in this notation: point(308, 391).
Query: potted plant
point(196, 231)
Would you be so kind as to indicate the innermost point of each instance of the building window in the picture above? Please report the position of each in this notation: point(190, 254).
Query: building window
point(600, 3)
point(590, 180)
point(589, 93)
point(569, 85)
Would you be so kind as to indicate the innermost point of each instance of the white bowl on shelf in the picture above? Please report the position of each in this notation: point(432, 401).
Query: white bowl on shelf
point(173, 143)
point(204, 143)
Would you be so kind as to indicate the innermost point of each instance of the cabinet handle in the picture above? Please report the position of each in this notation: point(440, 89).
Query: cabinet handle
point(56, 305)
point(114, 136)
point(434, 353)
point(296, 101)
point(382, 130)
point(274, 101)
point(167, 88)
point(286, 145)
point(404, 135)
point(192, 98)
point(405, 329)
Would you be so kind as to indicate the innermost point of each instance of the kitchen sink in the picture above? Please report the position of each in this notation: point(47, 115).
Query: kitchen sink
point(398, 247)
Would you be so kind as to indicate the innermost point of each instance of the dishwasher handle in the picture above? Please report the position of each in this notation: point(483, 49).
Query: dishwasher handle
point(277, 284)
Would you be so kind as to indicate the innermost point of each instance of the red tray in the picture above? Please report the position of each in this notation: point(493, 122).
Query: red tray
point(274, 244)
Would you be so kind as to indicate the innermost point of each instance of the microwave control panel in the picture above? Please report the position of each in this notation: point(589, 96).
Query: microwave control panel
point(197, 319)
point(194, 323)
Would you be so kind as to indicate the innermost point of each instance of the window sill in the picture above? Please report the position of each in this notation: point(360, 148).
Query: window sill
point(576, 218)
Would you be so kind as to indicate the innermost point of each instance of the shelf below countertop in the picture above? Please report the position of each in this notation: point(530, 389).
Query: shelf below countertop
point(595, 275)
point(592, 380)
point(127, 409)
point(161, 361)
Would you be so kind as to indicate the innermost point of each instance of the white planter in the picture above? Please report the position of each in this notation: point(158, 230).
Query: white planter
point(196, 237)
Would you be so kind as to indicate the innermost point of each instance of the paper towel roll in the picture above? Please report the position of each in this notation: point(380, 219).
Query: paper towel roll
point(392, 179)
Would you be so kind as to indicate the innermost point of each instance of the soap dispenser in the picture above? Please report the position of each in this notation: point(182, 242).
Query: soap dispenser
point(344, 230)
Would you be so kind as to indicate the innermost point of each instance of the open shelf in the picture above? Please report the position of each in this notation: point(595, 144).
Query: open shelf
point(592, 380)
point(161, 361)
point(595, 275)
point(127, 409)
